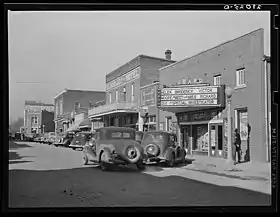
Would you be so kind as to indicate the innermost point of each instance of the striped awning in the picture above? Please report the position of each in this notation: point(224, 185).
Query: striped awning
point(74, 126)
point(85, 123)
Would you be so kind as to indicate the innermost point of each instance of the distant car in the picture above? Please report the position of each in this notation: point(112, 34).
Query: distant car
point(51, 137)
point(139, 136)
point(80, 140)
point(160, 146)
point(113, 146)
point(18, 136)
point(64, 139)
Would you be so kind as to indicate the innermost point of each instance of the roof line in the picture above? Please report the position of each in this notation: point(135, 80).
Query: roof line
point(140, 55)
point(226, 42)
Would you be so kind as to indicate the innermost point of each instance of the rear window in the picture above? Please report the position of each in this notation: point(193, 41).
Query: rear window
point(154, 137)
point(121, 135)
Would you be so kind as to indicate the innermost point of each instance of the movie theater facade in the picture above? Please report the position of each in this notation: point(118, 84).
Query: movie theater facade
point(193, 97)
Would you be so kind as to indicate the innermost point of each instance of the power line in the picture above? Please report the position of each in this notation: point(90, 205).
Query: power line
point(33, 82)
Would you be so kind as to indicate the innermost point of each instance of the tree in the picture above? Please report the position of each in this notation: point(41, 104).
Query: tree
point(15, 126)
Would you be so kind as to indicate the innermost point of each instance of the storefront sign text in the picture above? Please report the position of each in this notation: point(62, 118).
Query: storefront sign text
point(129, 76)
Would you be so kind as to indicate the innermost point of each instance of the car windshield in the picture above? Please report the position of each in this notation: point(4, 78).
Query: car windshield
point(154, 137)
point(121, 135)
point(52, 134)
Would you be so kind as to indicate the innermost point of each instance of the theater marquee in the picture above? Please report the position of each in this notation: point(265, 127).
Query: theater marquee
point(194, 96)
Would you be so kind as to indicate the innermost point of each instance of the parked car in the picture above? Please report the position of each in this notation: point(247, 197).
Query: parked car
point(80, 140)
point(113, 146)
point(51, 137)
point(139, 136)
point(160, 146)
point(18, 136)
point(64, 139)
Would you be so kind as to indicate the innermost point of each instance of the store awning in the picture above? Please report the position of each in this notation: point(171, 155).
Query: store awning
point(74, 126)
point(85, 123)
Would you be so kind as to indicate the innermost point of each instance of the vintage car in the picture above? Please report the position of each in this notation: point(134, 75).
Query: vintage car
point(51, 137)
point(139, 136)
point(113, 146)
point(162, 147)
point(64, 139)
point(80, 140)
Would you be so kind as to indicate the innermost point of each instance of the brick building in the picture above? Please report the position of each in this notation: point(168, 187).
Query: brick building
point(202, 127)
point(37, 115)
point(70, 102)
point(123, 91)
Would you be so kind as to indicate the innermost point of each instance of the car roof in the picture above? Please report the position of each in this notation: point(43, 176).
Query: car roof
point(115, 128)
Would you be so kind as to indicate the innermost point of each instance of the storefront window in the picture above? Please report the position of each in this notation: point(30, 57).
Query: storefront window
point(200, 134)
point(243, 123)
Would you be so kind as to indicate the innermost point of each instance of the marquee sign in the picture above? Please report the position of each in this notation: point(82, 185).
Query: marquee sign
point(194, 96)
point(127, 77)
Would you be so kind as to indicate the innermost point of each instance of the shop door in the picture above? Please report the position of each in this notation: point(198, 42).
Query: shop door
point(216, 140)
point(186, 138)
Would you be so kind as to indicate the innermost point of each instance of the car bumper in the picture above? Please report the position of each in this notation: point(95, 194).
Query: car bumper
point(154, 160)
point(75, 146)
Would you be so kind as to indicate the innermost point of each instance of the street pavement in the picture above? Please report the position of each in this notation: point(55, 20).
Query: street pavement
point(46, 176)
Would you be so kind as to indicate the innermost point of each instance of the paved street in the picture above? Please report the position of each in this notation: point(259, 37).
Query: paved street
point(47, 176)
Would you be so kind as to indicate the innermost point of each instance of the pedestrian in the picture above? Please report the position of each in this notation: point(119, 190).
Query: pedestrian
point(237, 146)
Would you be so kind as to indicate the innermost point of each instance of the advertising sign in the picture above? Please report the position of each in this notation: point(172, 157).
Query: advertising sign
point(38, 108)
point(129, 76)
point(149, 96)
point(192, 96)
point(243, 117)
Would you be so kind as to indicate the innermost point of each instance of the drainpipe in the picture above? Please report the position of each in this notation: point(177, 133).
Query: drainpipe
point(266, 110)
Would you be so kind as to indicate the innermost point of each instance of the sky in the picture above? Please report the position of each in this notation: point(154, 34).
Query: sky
point(50, 51)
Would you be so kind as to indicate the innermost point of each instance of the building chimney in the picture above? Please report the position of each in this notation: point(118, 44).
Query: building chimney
point(168, 54)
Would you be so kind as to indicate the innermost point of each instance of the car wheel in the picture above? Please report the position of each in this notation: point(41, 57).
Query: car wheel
point(171, 161)
point(140, 166)
point(74, 149)
point(85, 159)
point(103, 165)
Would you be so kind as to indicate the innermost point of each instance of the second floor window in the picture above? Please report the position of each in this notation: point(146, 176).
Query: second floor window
point(117, 95)
point(132, 92)
point(240, 77)
point(60, 108)
point(124, 94)
point(110, 97)
point(34, 120)
point(217, 80)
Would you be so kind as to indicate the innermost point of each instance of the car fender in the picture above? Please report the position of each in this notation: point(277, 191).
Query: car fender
point(168, 153)
point(104, 149)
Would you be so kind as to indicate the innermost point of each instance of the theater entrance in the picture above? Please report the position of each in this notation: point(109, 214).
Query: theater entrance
point(186, 137)
point(216, 140)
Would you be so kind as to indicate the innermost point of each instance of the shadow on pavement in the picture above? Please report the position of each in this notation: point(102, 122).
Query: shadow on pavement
point(19, 162)
point(14, 145)
point(14, 157)
point(92, 187)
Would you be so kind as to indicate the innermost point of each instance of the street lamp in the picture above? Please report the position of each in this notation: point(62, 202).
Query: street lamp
point(228, 92)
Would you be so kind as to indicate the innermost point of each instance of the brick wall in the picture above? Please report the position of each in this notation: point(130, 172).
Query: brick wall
point(246, 51)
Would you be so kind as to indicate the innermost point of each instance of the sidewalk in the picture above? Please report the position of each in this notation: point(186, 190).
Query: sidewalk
point(247, 171)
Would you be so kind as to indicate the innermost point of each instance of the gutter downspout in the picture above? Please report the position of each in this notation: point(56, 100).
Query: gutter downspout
point(266, 111)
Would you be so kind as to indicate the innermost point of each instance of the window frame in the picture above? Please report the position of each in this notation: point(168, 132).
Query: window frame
point(117, 95)
point(110, 97)
point(124, 93)
point(132, 91)
point(238, 77)
point(217, 78)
